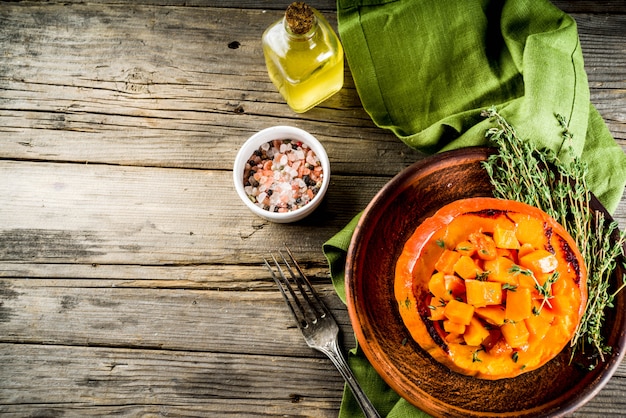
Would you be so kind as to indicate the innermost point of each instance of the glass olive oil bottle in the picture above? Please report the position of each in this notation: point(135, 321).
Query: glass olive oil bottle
point(304, 57)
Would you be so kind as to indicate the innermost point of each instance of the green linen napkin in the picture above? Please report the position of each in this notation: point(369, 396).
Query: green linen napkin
point(426, 69)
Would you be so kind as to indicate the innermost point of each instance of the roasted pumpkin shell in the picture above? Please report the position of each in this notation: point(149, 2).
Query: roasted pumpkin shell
point(529, 343)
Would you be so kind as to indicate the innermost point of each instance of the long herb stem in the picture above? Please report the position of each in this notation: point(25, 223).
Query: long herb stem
point(522, 172)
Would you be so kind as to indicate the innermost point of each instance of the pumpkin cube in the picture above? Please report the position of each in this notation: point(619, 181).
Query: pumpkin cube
point(492, 314)
point(437, 286)
point(495, 335)
point(539, 261)
point(453, 327)
point(459, 312)
point(500, 348)
point(560, 305)
point(436, 310)
point(455, 286)
point(475, 333)
point(504, 237)
point(543, 278)
point(539, 325)
point(500, 271)
point(446, 261)
point(482, 293)
point(525, 249)
point(467, 268)
point(526, 281)
point(515, 334)
point(506, 253)
point(519, 304)
point(485, 245)
point(529, 230)
point(563, 287)
point(454, 338)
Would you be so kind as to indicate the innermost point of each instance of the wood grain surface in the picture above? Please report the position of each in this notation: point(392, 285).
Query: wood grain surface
point(131, 281)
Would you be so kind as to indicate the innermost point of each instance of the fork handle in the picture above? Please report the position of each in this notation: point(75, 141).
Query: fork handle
point(334, 354)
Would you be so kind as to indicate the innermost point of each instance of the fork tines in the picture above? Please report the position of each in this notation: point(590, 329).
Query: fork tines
point(317, 325)
point(305, 304)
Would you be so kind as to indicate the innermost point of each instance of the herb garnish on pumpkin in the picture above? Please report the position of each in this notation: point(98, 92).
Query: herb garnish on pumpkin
point(519, 171)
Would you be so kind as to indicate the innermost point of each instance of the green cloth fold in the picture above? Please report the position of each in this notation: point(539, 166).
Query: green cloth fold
point(426, 69)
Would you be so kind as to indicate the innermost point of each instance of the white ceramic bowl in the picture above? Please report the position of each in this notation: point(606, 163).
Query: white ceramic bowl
point(253, 144)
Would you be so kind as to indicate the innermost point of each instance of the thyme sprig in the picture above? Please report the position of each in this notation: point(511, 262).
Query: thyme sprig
point(600, 296)
point(520, 171)
point(545, 290)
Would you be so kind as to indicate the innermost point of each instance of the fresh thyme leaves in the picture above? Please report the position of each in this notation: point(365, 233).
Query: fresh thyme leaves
point(475, 355)
point(600, 296)
point(515, 269)
point(519, 171)
point(513, 171)
point(508, 286)
point(545, 290)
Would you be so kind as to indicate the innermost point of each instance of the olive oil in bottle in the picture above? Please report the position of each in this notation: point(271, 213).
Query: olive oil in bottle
point(304, 57)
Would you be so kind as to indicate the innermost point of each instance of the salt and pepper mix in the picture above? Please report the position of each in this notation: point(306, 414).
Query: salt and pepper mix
point(282, 175)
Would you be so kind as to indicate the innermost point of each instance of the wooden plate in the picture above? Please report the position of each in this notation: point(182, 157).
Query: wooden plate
point(558, 388)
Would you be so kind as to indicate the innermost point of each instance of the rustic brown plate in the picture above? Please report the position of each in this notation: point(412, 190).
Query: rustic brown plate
point(556, 389)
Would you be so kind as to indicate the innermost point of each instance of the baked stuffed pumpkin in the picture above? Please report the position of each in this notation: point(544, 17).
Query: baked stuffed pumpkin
point(491, 288)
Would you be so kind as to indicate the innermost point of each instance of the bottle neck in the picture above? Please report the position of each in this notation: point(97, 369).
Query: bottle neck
point(300, 36)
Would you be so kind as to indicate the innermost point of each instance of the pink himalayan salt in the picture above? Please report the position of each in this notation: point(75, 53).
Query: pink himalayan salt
point(282, 175)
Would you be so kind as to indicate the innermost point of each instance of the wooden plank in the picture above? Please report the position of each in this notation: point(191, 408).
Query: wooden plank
point(99, 313)
point(215, 277)
point(75, 381)
point(591, 6)
point(131, 215)
point(569, 6)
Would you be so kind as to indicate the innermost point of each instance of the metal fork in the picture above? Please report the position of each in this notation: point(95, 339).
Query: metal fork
point(318, 326)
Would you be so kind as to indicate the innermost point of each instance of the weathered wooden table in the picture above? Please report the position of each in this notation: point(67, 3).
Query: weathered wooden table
point(130, 274)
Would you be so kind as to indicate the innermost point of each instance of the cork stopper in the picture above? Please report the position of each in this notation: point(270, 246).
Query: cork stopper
point(299, 17)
